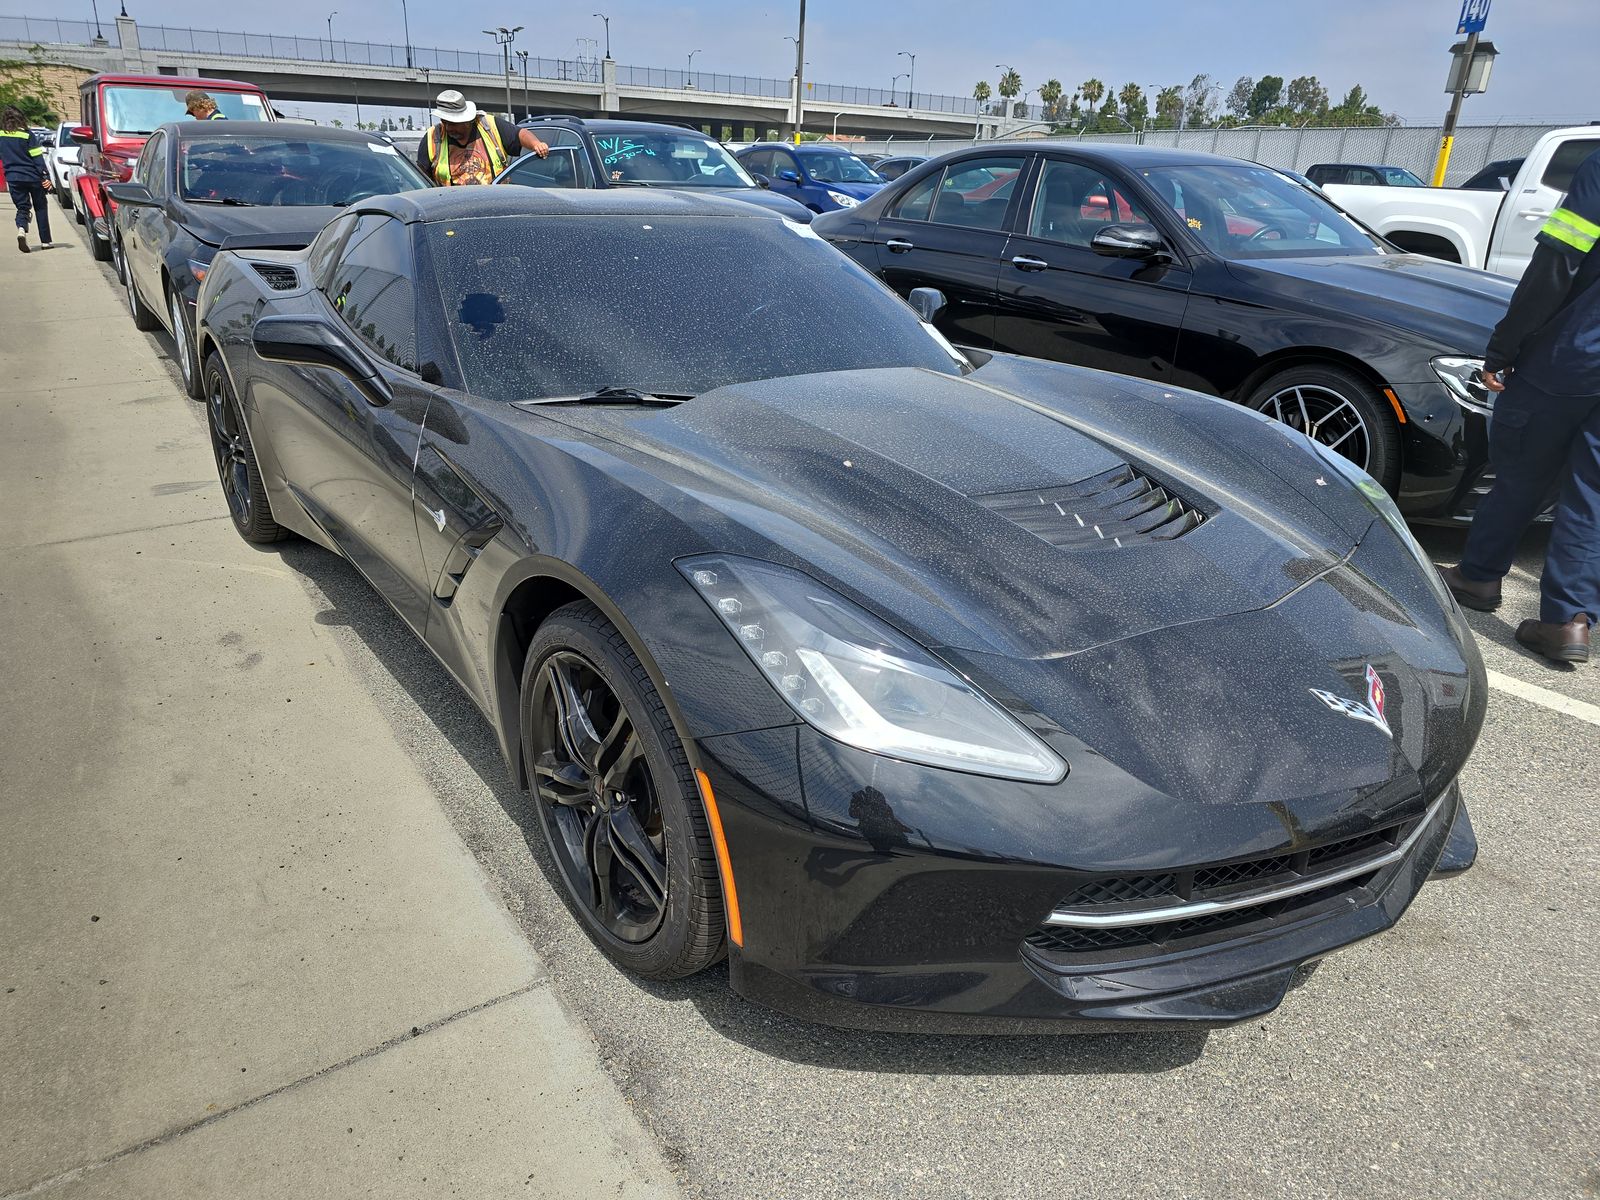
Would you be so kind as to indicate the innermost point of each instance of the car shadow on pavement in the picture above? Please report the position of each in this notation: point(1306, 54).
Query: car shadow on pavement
point(553, 931)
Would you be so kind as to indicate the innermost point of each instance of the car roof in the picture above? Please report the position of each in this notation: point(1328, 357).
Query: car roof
point(174, 81)
point(457, 204)
point(1107, 153)
point(226, 130)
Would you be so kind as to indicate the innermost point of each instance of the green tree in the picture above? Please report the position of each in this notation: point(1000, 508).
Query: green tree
point(981, 93)
point(1169, 107)
point(1134, 106)
point(1092, 90)
point(1239, 98)
point(1050, 97)
point(1010, 86)
point(1265, 96)
point(1307, 97)
point(23, 84)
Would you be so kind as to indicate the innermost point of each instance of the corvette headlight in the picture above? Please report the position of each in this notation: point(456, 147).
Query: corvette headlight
point(841, 199)
point(1464, 379)
point(855, 679)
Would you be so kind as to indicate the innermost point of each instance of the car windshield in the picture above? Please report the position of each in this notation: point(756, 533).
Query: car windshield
point(563, 305)
point(291, 170)
point(1400, 177)
point(1242, 211)
point(669, 159)
point(141, 110)
point(831, 166)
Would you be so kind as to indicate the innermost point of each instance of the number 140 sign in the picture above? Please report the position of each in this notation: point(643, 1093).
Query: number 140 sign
point(1474, 15)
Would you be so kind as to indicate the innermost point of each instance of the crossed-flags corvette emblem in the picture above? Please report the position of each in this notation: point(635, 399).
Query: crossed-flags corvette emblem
point(1371, 712)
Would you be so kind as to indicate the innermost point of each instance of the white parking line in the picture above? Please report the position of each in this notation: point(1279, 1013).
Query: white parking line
point(1544, 697)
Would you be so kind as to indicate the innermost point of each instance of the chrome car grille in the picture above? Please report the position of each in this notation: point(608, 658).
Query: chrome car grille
point(1128, 912)
point(1114, 508)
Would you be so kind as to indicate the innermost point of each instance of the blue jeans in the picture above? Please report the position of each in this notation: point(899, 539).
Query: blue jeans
point(31, 195)
point(1536, 438)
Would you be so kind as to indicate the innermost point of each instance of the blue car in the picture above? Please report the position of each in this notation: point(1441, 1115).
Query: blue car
point(821, 176)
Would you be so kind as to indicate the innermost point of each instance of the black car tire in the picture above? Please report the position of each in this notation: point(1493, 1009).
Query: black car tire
point(1321, 387)
point(183, 342)
point(578, 643)
point(100, 247)
point(63, 198)
point(236, 460)
point(143, 318)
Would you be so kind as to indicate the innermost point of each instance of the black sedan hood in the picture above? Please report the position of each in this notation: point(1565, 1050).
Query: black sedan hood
point(762, 198)
point(959, 507)
point(296, 225)
point(1448, 305)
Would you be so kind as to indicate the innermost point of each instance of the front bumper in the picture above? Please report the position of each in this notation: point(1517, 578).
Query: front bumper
point(871, 930)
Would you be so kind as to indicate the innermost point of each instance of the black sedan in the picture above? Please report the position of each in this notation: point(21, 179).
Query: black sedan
point(1208, 273)
point(200, 183)
point(984, 694)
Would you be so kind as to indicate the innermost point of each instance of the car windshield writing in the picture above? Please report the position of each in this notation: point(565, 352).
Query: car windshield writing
point(839, 168)
point(140, 110)
point(669, 160)
point(545, 306)
point(292, 171)
point(1254, 212)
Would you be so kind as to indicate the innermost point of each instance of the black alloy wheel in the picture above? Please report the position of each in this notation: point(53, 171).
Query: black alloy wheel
point(236, 460)
point(617, 801)
point(1340, 410)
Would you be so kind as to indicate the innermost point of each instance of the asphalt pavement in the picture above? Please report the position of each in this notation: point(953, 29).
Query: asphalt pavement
point(1454, 1056)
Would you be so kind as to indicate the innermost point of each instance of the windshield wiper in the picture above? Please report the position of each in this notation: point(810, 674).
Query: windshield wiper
point(233, 200)
point(618, 395)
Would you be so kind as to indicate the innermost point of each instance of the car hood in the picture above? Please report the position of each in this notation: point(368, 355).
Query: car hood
point(944, 504)
point(761, 198)
point(859, 190)
point(297, 225)
point(1453, 307)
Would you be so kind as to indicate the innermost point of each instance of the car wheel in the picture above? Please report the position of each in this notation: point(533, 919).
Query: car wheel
point(617, 800)
point(236, 460)
point(64, 197)
point(1339, 409)
point(183, 343)
point(100, 247)
point(143, 318)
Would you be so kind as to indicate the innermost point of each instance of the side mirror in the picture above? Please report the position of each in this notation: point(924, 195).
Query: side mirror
point(761, 180)
point(929, 303)
point(1128, 241)
point(788, 176)
point(135, 194)
point(81, 134)
point(314, 342)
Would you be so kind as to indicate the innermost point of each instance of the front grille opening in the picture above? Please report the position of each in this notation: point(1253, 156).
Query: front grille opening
point(1116, 508)
point(279, 279)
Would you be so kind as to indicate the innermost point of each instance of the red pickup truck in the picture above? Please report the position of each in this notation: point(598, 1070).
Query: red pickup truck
point(119, 112)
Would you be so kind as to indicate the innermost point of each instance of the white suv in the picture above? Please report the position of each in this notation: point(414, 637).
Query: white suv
point(61, 160)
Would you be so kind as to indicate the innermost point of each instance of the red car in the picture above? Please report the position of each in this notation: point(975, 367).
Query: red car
point(119, 112)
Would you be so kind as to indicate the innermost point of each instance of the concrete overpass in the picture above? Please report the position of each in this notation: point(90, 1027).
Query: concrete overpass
point(292, 69)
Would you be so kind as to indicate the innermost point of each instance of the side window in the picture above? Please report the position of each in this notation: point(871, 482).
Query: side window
point(782, 160)
point(566, 166)
point(1565, 161)
point(756, 163)
point(1073, 202)
point(148, 172)
point(1364, 177)
point(917, 203)
point(975, 193)
point(325, 248)
point(371, 288)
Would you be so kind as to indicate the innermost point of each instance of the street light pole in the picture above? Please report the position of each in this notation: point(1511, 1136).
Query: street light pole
point(911, 84)
point(527, 110)
point(504, 37)
point(607, 20)
point(688, 76)
point(800, 75)
point(893, 83)
point(405, 19)
point(427, 97)
point(331, 16)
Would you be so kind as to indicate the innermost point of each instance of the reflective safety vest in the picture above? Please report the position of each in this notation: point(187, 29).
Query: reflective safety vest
point(439, 150)
point(217, 116)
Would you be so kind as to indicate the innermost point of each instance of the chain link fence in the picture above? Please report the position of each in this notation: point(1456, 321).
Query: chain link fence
point(44, 31)
point(1411, 146)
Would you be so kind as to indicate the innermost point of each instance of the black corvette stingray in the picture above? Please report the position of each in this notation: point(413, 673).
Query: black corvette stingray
point(938, 692)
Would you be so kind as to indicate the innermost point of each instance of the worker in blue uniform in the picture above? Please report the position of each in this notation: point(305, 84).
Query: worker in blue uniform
point(1543, 363)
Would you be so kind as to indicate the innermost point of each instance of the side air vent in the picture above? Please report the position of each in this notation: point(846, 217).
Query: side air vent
point(1113, 508)
point(279, 279)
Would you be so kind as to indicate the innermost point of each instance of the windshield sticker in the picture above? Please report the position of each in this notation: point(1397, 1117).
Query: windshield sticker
point(382, 148)
point(251, 101)
point(621, 149)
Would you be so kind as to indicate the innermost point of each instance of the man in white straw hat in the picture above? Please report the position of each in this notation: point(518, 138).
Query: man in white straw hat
point(469, 146)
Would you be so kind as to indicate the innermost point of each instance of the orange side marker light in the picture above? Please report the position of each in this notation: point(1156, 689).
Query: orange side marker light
point(730, 894)
point(1395, 400)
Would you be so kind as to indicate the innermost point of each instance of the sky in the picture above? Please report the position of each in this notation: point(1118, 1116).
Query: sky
point(1398, 50)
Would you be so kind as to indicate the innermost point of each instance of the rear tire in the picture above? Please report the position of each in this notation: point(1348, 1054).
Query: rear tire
point(1341, 410)
point(617, 800)
point(99, 247)
point(236, 461)
point(194, 384)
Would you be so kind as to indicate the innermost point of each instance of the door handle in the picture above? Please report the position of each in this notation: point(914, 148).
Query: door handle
point(1026, 262)
point(1534, 214)
point(898, 245)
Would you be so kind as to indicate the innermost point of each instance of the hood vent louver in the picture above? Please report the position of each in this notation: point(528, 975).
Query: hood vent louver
point(1114, 508)
point(279, 279)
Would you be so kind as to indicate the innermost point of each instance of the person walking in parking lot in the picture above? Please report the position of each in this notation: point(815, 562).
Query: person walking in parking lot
point(468, 146)
point(23, 161)
point(1543, 362)
point(201, 107)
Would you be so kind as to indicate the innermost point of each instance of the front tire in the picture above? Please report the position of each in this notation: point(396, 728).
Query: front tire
point(1339, 409)
point(236, 460)
point(100, 247)
point(617, 800)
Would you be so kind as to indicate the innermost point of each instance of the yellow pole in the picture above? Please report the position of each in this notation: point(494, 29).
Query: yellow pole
point(1443, 162)
point(1448, 138)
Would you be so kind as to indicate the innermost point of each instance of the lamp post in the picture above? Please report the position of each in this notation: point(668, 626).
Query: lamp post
point(526, 108)
point(688, 77)
point(405, 20)
point(427, 96)
point(893, 83)
point(503, 38)
point(911, 83)
point(800, 75)
point(607, 20)
point(331, 16)
point(99, 38)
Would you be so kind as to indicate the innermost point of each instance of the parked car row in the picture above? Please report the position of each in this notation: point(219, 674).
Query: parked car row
point(845, 663)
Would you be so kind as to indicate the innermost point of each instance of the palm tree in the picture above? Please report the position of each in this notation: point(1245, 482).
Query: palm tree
point(1010, 86)
point(1169, 105)
point(1092, 90)
point(1050, 97)
point(1132, 97)
point(981, 94)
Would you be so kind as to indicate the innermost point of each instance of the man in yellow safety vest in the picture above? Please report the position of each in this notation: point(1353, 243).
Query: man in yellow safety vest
point(468, 146)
